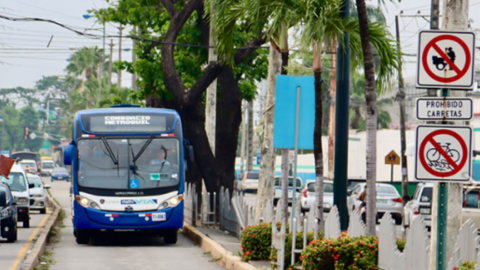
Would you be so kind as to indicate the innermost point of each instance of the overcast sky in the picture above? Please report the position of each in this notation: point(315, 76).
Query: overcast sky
point(25, 57)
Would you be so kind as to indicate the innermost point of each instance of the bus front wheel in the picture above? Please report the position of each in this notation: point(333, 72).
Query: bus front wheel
point(170, 237)
point(81, 236)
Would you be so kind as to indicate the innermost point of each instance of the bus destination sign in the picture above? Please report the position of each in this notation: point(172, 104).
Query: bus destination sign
point(127, 123)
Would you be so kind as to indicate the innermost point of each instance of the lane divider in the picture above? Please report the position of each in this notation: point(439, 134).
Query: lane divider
point(23, 251)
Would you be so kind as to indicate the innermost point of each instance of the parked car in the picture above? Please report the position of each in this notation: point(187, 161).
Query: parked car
point(471, 205)
point(8, 214)
point(388, 200)
point(307, 199)
point(17, 181)
point(38, 194)
point(278, 189)
point(249, 181)
point(352, 182)
point(420, 204)
point(60, 173)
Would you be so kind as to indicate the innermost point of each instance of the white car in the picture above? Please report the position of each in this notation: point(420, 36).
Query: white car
point(388, 200)
point(307, 198)
point(38, 194)
point(249, 181)
point(420, 204)
point(17, 181)
point(25, 163)
point(47, 167)
point(278, 189)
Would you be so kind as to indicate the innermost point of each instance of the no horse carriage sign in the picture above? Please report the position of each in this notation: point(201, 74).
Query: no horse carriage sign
point(446, 60)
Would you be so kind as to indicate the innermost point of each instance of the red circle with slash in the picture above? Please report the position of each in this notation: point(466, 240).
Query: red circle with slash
point(433, 44)
point(451, 162)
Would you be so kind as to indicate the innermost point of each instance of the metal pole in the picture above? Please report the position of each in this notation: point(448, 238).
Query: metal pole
point(110, 65)
point(294, 191)
point(341, 124)
point(391, 173)
point(442, 225)
point(3, 132)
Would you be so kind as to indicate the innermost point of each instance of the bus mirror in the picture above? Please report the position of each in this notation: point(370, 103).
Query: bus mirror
point(69, 154)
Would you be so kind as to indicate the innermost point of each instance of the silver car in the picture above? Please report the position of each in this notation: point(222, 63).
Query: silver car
point(388, 200)
point(38, 194)
point(307, 198)
point(420, 204)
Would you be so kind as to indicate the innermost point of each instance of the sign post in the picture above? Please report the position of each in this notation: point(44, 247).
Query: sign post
point(446, 60)
point(392, 159)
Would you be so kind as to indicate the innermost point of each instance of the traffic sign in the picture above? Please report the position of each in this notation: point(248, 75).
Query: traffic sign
point(446, 59)
point(392, 158)
point(443, 153)
point(444, 109)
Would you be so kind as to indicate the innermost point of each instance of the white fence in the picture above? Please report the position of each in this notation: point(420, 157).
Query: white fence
point(235, 214)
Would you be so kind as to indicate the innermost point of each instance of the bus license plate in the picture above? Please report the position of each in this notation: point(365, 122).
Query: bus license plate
point(159, 217)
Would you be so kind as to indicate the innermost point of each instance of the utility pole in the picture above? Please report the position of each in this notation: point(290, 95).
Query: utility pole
point(454, 17)
point(401, 98)
point(119, 78)
point(341, 125)
point(134, 58)
point(250, 138)
point(110, 65)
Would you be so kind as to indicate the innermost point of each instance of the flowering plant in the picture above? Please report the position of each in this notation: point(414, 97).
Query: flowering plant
point(466, 266)
point(256, 242)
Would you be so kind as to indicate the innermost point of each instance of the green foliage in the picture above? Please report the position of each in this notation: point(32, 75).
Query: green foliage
point(341, 253)
point(256, 242)
point(400, 244)
point(466, 266)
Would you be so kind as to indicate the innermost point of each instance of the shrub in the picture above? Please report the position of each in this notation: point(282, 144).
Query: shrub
point(341, 253)
point(288, 247)
point(256, 242)
point(401, 244)
point(466, 266)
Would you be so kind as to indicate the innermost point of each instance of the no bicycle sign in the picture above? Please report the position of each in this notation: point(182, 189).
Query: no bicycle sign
point(443, 153)
point(446, 60)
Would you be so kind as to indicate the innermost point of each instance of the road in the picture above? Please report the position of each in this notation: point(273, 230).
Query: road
point(122, 251)
point(12, 254)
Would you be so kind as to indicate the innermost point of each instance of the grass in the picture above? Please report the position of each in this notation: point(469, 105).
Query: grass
point(46, 259)
point(215, 259)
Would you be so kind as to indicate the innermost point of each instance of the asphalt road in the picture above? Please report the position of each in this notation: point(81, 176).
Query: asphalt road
point(12, 254)
point(120, 250)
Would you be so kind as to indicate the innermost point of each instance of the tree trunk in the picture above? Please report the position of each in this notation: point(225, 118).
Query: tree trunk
point(250, 137)
point(371, 111)
point(331, 108)
point(266, 186)
point(227, 128)
point(317, 133)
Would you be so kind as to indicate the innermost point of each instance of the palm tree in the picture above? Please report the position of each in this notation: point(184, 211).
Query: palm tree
point(84, 63)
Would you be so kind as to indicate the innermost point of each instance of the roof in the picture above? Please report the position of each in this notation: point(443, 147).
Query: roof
point(126, 110)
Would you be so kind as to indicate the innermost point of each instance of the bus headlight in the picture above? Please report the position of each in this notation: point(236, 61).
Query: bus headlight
point(172, 202)
point(86, 202)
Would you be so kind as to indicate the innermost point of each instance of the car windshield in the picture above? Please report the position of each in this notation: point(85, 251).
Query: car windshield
point(47, 165)
point(386, 190)
point(30, 164)
point(327, 187)
point(140, 163)
point(278, 182)
point(35, 181)
point(426, 195)
point(60, 170)
point(15, 181)
point(252, 175)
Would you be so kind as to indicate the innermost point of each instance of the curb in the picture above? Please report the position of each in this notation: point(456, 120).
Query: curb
point(227, 259)
point(37, 249)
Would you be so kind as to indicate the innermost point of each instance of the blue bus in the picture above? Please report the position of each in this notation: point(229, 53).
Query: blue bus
point(127, 168)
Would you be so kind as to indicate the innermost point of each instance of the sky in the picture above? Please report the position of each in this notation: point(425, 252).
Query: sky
point(25, 55)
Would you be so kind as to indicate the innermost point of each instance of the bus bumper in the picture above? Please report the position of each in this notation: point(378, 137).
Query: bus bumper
point(89, 218)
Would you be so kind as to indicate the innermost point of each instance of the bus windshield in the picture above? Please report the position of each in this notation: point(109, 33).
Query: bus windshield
point(140, 163)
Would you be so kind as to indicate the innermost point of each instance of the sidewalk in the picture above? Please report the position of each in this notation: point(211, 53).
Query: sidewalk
point(222, 246)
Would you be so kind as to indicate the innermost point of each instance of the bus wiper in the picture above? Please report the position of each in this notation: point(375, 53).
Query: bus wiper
point(133, 166)
point(143, 148)
point(110, 152)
